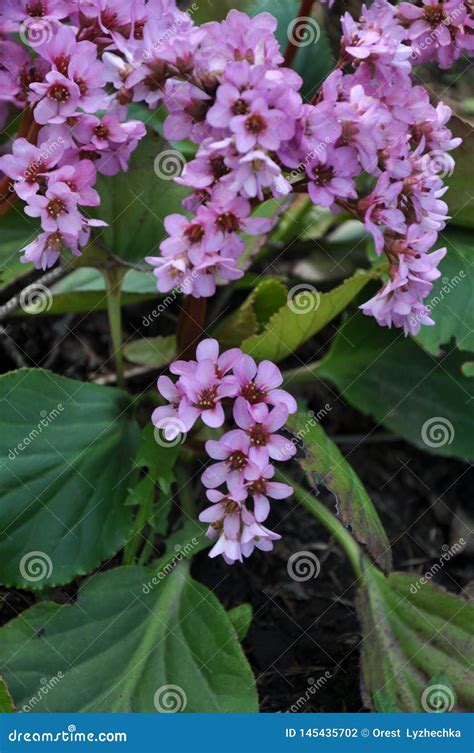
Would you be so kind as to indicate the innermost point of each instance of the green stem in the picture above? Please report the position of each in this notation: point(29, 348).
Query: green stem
point(334, 526)
point(142, 518)
point(113, 286)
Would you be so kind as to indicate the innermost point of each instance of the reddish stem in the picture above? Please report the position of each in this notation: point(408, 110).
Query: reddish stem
point(190, 326)
point(292, 49)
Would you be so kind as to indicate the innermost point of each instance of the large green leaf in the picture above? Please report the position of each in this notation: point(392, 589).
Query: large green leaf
point(151, 641)
point(135, 203)
point(459, 197)
point(451, 301)
point(417, 645)
point(67, 449)
point(423, 399)
point(306, 312)
point(323, 462)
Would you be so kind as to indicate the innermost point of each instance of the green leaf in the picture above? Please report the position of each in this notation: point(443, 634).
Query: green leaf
point(264, 300)
point(306, 312)
point(152, 351)
point(6, 701)
point(241, 618)
point(135, 203)
point(459, 197)
point(67, 450)
point(423, 399)
point(323, 462)
point(417, 645)
point(150, 647)
point(451, 302)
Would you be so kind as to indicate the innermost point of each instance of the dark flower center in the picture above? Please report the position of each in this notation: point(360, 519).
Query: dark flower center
point(240, 107)
point(255, 123)
point(101, 131)
point(237, 461)
point(56, 207)
point(228, 222)
point(218, 167)
point(323, 174)
point(258, 437)
point(59, 93)
point(259, 486)
point(36, 10)
point(252, 393)
point(207, 399)
point(434, 14)
point(194, 233)
point(62, 63)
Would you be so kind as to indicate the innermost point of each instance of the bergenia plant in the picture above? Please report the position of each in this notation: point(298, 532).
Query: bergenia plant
point(235, 189)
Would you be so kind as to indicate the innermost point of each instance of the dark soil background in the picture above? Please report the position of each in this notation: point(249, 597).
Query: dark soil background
point(300, 631)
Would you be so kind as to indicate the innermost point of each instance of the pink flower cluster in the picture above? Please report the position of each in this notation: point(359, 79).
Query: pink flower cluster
point(440, 30)
point(225, 89)
point(259, 409)
point(62, 84)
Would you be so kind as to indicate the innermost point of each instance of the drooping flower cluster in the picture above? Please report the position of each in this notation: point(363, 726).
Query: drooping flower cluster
point(243, 455)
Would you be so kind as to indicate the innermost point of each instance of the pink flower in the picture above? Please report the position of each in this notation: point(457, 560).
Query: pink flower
point(208, 350)
point(45, 250)
point(333, 177)
point(258, 385)
point(260, 486)
point(232, 452)
point(29, 164)
point(57, 209)
point(264, 443)
point(203, 392)
point(55, 99)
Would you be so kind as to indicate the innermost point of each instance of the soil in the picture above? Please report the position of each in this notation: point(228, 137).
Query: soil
point(304, 634)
